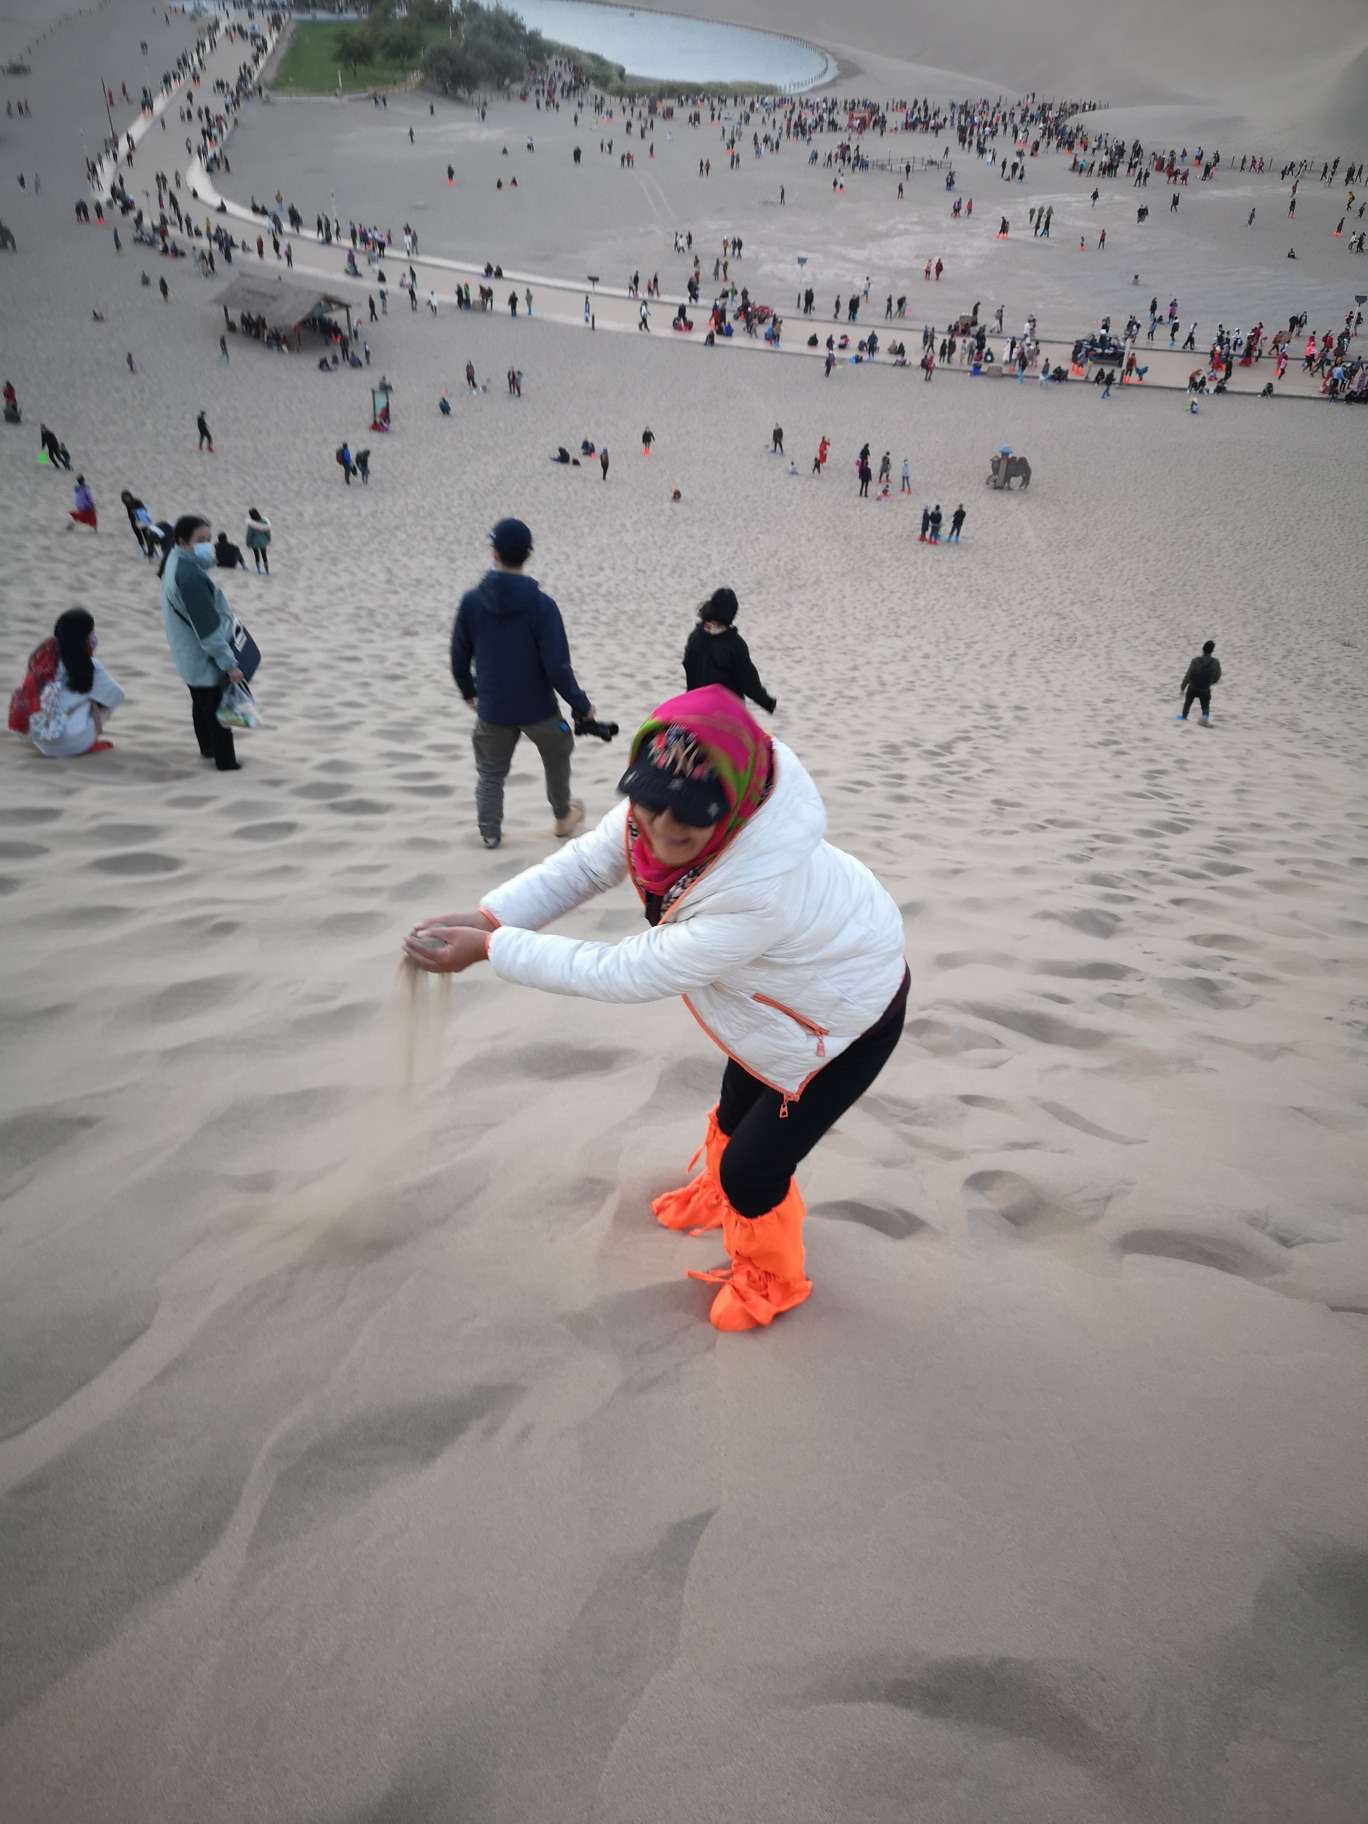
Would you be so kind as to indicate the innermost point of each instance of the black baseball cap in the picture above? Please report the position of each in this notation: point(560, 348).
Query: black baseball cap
point(512, 541)
point(671, 772)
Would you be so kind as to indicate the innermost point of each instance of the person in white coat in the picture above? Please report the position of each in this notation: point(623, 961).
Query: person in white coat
point(79, 697)
point(787, 951)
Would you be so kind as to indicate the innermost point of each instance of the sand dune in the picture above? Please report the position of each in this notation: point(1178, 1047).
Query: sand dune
point(1207, 56)
point(365, 1452)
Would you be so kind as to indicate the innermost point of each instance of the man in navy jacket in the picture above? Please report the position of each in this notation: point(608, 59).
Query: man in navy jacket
point(510, 659)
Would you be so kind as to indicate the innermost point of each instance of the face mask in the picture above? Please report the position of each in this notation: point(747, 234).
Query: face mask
point(204, 555)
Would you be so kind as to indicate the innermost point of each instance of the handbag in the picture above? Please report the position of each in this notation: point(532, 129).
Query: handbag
point(245, 649)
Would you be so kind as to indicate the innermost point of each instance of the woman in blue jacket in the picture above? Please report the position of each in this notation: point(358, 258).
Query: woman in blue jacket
point(199, 630)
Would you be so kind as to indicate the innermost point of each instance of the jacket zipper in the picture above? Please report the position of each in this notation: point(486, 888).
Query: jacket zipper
point(820, 1033)
point(785, 1095)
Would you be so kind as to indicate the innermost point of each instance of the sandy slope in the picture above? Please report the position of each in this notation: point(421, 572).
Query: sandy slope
point(1209, 55)
point(366, 1454)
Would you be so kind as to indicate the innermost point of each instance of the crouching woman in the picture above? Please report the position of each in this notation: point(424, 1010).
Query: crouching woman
point(787, 951)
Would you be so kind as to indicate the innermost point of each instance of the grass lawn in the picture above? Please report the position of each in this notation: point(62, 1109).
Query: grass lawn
point(310, 64)
point(310, 67)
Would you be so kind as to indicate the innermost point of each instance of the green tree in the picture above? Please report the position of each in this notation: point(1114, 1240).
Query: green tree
point(491, 49)
point(451, 68)
point(356, 45)
point(402, 43)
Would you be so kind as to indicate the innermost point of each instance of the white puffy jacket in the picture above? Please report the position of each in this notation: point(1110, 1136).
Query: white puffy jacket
point(785, 949)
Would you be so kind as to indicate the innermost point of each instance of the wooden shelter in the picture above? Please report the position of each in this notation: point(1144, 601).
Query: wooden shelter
point(283, 308)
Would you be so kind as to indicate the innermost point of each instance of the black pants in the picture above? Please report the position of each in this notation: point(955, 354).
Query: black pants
point(1201, 696)
point(215, 741)
point(764, 1148)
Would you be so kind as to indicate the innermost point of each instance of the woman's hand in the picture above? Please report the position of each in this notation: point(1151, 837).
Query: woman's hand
point(473, 921)
point(446, 949)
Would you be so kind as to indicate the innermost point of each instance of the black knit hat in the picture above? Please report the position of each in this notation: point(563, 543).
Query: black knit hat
point(720, 607)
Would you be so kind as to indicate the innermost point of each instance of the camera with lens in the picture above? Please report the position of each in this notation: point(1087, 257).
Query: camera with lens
point(590, 725)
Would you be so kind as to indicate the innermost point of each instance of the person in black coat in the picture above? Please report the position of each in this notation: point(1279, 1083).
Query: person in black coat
point(716, 653)
point(1198, 679)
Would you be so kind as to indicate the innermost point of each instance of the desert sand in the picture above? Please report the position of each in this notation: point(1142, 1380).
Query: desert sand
point(366, 1453)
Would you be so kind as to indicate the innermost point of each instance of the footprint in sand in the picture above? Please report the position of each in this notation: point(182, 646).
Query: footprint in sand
point(1030, 1210)
point(897, 1224)
point(25, 1139)
point(319, 791)
point(1221, 940)
point(262, 1120)
point(133, 833)
point(265, 832)
point(1200, 1247)
point(185, 1000)
point(418, 884)
point(21, 851)
point(1092, 921)
point(1044, 1028)
point(137, 863)
point(1087, 972)
point(28, 814)
point(971, 959)
point(1081, 1124)
point(332, 1022)
point(355, 924)
point(945, 1039)
point(550, 1063)
point(320, 1473)
point(1205, 991)
point(91, 917)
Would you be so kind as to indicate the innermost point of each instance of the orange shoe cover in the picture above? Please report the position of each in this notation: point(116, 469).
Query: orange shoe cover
point(766, 1273)
point(698, 1205)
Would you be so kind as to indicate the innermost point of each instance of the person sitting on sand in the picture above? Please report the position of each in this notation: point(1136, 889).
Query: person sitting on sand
point(79, 696)
point(444, 406)
point(750, 915)
point(715, 652)
point(227, 555)
point(83, 505)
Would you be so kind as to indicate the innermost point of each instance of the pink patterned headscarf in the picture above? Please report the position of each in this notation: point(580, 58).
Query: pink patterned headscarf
point(714, 724)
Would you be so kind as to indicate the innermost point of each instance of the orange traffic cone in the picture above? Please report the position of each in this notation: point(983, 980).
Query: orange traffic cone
point(700, 1204)
point(766, 1274)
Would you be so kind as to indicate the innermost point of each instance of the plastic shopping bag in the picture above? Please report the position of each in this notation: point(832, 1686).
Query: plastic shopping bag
point(237, 708)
